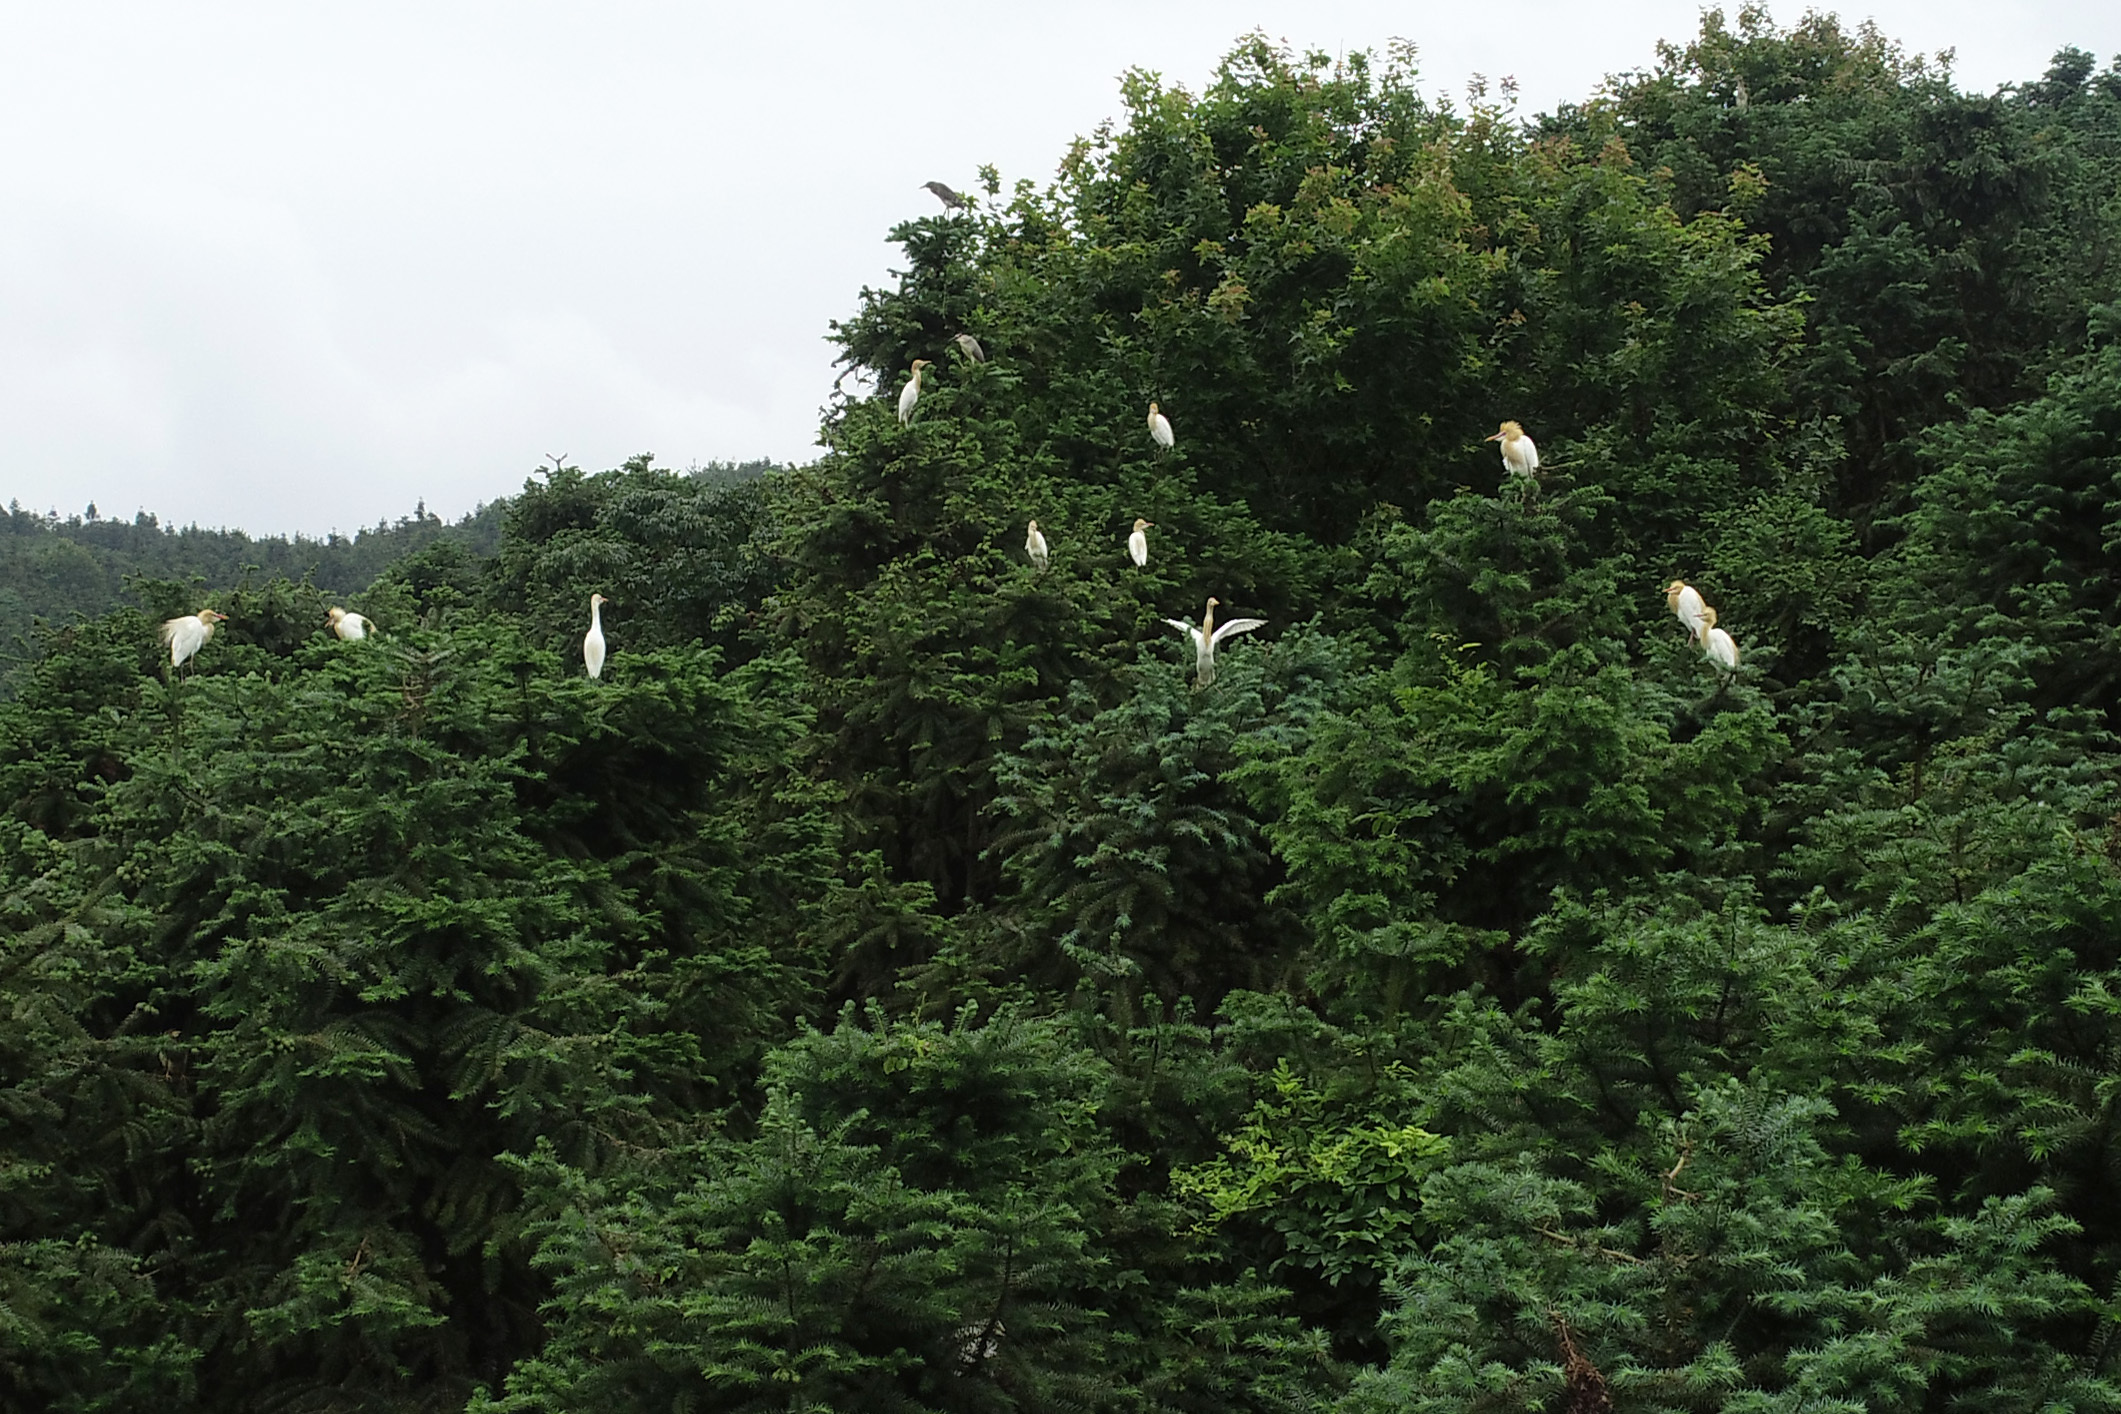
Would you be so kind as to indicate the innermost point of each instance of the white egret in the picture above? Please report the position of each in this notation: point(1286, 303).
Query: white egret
point(593, 641)
point(187, 635)
point(351, 627)
point(1716, 645)
point(1519, 456)
point(911, 394)
point(1160, 429)
point(971, 347)
point(1206, 635)
point(1138, 543)
point(1035, 546)
point(951, 200)
point(1685, 603)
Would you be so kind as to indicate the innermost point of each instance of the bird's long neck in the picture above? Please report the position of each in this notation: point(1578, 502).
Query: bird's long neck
point(1207, 621)
point(596, 617)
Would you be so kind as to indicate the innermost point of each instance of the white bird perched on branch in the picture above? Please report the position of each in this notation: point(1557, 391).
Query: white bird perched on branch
point(1685, 603)
point(911, 393)
point(1206, 635)
point(350, 627)
point(593, 641)
point(1519, 456)
point(1160, 429)
point(1716, 645)
point(1035, 546)
point(187, 635)
point(1138, 543)
point(971, 346)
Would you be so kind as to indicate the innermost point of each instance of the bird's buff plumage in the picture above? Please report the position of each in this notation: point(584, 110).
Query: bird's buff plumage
point(911, 393)
point(1685, 603)
point(1160, 428)
point(1206, 635)
point(1520, 458)
point(187, 635)
point(1138, 544)
point(1716, 645)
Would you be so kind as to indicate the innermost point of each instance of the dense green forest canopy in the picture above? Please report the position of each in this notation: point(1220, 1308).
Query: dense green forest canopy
point(896, 984)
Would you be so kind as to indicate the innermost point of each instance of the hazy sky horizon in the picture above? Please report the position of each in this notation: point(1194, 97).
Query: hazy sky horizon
point(289, 270)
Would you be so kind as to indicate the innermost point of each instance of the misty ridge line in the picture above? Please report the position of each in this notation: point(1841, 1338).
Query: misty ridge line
point(64, 569)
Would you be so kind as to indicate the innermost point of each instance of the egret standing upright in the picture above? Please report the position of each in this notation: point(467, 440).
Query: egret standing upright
point(911, 393)
point(1684, 600)
point(1519, 456)
point(187, 635)
point(593, 641)
point(1716, 645)
point(1138, 543)
point(1206, 635)
point(1035, 546)
point(1160, 429)
point(350, 627)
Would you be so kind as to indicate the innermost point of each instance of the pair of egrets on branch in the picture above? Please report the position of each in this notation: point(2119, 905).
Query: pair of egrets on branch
point(1041, 553)
point(1699, 620)
point(188, 633)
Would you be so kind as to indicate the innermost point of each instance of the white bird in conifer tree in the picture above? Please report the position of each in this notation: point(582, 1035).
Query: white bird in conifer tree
point(350, 627)
point(911, 393)
point(187, 635)
point(1035, 546)
point(593, 641)
point(1716, 645)
point(1206, 635)
point(1519, 456)
point(1684, 600)
point(1160, 429)
point(1138, 543)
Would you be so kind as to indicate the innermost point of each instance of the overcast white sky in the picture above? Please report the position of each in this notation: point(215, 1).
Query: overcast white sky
point(294, 267)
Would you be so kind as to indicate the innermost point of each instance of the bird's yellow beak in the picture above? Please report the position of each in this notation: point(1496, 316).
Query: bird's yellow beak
point(1496, 437)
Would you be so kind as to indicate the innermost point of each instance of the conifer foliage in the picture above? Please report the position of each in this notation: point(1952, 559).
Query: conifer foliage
point(897, 984)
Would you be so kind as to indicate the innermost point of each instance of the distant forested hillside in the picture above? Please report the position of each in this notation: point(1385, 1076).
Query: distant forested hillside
point(909, 979)
point(78, 567)
point(82, 566)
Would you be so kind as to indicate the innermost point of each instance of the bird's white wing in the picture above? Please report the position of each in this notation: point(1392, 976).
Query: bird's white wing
point(1692, 611)
point(1223, 631)
point(169, 629)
